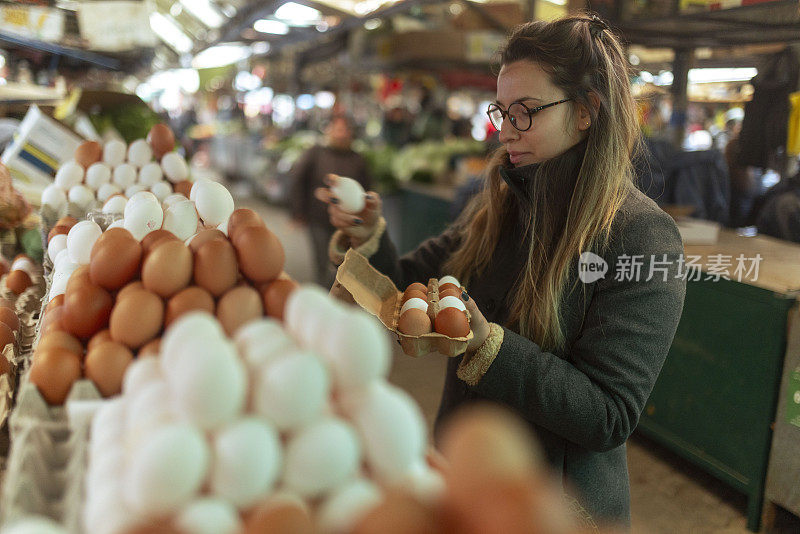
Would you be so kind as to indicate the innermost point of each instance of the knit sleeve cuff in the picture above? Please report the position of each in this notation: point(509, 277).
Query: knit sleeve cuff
point(340, 242)
point(472, 368)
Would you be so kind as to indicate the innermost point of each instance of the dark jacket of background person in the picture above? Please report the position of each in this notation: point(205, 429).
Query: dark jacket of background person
point(779, 215)
point(766, 116)
point(583, 401)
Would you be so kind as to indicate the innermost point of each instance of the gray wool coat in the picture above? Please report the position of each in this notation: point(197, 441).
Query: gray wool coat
point(583, 402)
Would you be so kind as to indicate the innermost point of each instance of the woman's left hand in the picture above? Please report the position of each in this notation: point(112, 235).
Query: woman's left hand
point(477, 322)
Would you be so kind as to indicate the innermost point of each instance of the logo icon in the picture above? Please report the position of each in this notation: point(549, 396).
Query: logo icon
point(591, 268)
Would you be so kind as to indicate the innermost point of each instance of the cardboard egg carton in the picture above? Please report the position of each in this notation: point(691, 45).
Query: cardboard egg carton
point(377, 294)
point(45, 474)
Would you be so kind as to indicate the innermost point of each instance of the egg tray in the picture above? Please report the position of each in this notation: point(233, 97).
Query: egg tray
point(45, 474)
point(48, 221)
point(377, 294)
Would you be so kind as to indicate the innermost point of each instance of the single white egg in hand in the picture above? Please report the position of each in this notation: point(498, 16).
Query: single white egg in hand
point(81, 239)
point(114, 152)
point(97, 175)
point(174, 167)
point(54, 197)
point(140, 153)
point(124, 175)
point(350, 194)
point(69, 174)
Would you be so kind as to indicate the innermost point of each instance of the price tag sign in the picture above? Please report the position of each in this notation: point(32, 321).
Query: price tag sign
point(33, 22)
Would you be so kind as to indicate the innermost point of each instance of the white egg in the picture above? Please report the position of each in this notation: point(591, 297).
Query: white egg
point(69, 174)
point(81, 196)
point(449, 280)
point(107, 191)
point(208, 516)
point(300, 303)
point(58, 287)
point(209, 383)
point(197, 186)
point(143, 218)
point(167, 470)
point(80, 241)
point(139, 153)
point(350, 195)
point(320, 457)
point(181, 219)
point(173, 199)
point(135, 188)
point(214, 203)
point(61, 258)
point(54, 197)
point(124, 175)
point(423, 482)
point(98, 174)
point(24, 264)
point(201, 327)
point(357, 349)
point(292, 390)
point(261, 341)
point(106, 512)
point(140, 373)
point(148, 409)
point(33, 525)
point(119, 223)
point(56, 245)
point(391, 426)
point(175, 167)
point(416, 303)
point(115, 205)
point(247, 461)
point(150, 174)
point(223, 227)
point(161, 190)
point(347, 505)
point(140, 196)
point(114, 153)
point(105, 467)
point(451, 302)
point(108, 426)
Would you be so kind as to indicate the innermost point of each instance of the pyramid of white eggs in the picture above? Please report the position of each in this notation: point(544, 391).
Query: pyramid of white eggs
point(98, 173)
point(214, 427)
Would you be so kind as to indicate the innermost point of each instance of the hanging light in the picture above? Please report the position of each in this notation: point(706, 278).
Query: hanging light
point(274, 27)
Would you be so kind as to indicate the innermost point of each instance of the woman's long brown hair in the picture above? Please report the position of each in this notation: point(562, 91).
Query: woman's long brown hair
point(583, 57)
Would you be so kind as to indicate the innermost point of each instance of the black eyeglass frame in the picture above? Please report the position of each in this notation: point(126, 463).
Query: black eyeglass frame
point(529, 111)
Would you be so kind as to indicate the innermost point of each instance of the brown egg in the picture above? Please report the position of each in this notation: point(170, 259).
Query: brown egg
point(115, 259)
point(86, 310)
point(18, 281)
point(61, 340)
point(414, 322)
point(9, 318)
point(167, 268)
point(57, 301)
point(260, 254)
point(398, 513)
point(154, 526)
point(79, 278)
point(237, 307)
point(452, 322)
point(215, 266)
point(449, 286)
point(101, 337)
point(67, 220)
point(7, 303)
point(151, 349)
point(242, 218)
point(6, 336)
point(87, 153)
point(279, 518)
point(5, 366)
point(192, 298)
point(105, 365)
point(184, 188)
point(413, 293)
point(137, 318)
point(155, 237)
point(56, 230)
point(133, 286)
point(204, 236)
point(450, 292)
point(418, 287)
point(161, 140)
point(275, 294)
point(53, 372)
point(52, 321)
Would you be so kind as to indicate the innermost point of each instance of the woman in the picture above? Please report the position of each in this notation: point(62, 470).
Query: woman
point(574, 354)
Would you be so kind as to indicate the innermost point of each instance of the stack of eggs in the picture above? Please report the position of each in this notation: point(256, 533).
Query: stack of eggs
point(283, 424)
point(451, 318)
point(113, 292)
point(100, 172)
point(20, 274)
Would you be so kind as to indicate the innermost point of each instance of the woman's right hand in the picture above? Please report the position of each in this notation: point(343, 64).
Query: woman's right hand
point(360, 226)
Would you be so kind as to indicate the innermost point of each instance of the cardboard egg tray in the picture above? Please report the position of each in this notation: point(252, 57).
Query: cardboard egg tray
point(377, 294)
point(49, 219)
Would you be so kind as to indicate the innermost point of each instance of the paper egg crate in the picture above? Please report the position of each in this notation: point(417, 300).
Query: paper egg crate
point(376, 293)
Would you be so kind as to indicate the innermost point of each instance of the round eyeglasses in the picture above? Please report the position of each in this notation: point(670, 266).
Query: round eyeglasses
point(519, 115)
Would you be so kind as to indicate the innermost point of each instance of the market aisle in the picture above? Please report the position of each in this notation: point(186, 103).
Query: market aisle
point(668, 495)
